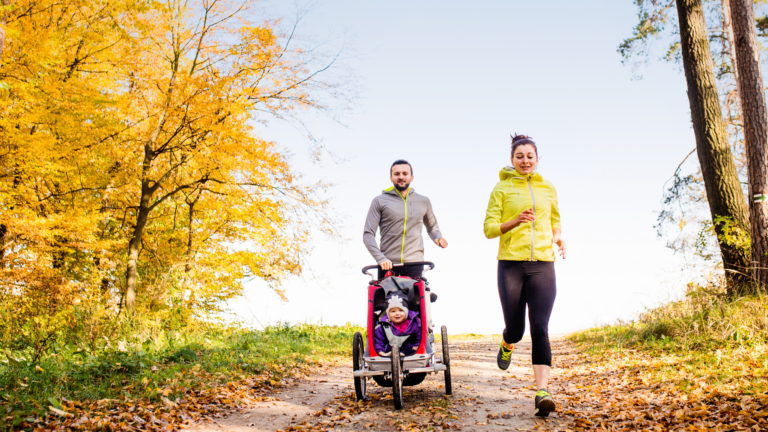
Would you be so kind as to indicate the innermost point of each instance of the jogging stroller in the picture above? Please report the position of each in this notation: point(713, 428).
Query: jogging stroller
point(408, 370)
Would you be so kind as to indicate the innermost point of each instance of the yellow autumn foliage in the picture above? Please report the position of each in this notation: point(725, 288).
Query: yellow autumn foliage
point(132, 180)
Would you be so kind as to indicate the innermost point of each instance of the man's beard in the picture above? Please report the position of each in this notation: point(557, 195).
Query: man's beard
point(402, 188)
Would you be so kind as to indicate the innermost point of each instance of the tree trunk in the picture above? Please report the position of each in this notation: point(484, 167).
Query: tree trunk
point(3, 243)
point(145, 203)
point(721, 180)
point(755, 120)
point(728, 30)
point(188, 255)
point(142, 216)
point(133, 254)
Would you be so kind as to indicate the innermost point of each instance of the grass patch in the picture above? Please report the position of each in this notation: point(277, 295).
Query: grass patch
point(702, 344)
point(162, 369)
point(463, 337)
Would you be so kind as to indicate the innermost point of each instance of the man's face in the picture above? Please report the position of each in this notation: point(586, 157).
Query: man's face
point(401, 177)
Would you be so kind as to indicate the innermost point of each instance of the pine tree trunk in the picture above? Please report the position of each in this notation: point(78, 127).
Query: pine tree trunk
point(721, 180)
point(755, 120)
point(728, 30)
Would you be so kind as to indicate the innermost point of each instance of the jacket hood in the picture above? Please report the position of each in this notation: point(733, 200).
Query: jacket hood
point(509, 172)
point(392, 191)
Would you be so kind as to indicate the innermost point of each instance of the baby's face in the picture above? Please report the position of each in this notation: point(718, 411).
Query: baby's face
point(397, 315)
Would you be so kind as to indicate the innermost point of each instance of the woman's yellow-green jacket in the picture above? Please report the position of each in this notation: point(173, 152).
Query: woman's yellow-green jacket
point(513, 194)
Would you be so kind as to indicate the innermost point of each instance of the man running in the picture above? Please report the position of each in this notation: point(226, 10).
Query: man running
point(399, 213)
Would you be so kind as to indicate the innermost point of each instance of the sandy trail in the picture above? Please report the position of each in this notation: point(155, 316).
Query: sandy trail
point(484, 398)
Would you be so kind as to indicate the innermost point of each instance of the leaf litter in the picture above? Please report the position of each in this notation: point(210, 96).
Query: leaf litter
point(190, 407)
point(608, 391)
point(628, 390)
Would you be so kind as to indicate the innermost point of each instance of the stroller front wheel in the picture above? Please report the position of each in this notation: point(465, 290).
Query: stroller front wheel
point(397, 378)
point(358, 363)
point(446, 360)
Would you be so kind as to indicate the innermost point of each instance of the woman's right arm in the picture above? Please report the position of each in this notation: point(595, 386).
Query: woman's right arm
point(493, 225)
point(524, 217)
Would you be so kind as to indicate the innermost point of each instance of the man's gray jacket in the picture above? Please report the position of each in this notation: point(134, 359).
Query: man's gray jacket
point(400, 221)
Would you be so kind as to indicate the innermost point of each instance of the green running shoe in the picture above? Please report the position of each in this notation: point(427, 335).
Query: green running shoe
point(504, 357)
point(544, 403)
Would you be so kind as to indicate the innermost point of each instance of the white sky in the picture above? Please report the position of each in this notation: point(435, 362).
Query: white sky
point(445, 83)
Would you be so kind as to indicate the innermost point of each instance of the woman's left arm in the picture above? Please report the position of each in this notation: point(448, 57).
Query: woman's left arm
point(557, 236)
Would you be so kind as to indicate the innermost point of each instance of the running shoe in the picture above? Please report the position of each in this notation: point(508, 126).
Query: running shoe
point(504, 357)
point(544, 403)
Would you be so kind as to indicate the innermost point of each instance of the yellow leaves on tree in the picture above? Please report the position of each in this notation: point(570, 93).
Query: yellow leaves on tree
point(131, 172)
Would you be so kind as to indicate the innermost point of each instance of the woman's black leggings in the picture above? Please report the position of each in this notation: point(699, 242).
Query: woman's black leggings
point(531, 283)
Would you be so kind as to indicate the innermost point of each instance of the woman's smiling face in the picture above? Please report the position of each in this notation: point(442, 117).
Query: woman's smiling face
point(524, 159)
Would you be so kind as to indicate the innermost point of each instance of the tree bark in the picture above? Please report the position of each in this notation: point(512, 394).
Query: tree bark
point(721, 180)
point(142, 217)
point(188, 255)
point(728, 30)
point(134, 245)
point(755, 120)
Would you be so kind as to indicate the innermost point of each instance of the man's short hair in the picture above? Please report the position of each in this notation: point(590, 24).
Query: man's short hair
point(400, 162)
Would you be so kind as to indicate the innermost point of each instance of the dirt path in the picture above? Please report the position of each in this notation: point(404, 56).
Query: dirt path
point(484, 398)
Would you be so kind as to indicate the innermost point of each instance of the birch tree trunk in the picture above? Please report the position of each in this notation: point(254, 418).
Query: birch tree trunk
point(721, 180)
point(755, 120)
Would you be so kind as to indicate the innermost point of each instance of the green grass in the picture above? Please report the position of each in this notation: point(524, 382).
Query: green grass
point(701, 342)
point(168, 364)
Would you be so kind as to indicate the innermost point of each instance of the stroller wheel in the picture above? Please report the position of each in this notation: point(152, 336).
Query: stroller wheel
point(358, 363)
point(397, 378)
point(446, 360)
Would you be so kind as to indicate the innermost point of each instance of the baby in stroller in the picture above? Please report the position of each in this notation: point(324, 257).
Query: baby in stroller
point(401, 324)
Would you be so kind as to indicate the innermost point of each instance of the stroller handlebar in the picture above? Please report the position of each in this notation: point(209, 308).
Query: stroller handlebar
point(431, 265)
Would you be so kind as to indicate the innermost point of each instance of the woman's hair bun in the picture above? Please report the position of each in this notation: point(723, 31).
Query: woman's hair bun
point(521, 140)
point(516, 137)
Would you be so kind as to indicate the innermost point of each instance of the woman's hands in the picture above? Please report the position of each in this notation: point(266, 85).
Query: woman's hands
point(528, 216)
point(524, 217)
point(558, 239)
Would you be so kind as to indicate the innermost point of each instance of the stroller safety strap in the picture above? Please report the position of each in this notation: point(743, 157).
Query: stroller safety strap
point(393, 340)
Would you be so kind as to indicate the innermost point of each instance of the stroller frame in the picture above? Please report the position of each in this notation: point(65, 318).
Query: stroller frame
point(410, 370)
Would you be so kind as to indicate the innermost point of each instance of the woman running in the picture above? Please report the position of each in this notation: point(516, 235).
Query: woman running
point(523, 212)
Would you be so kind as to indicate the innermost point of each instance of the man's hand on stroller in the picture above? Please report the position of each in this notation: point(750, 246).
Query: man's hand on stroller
point(386, 265)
